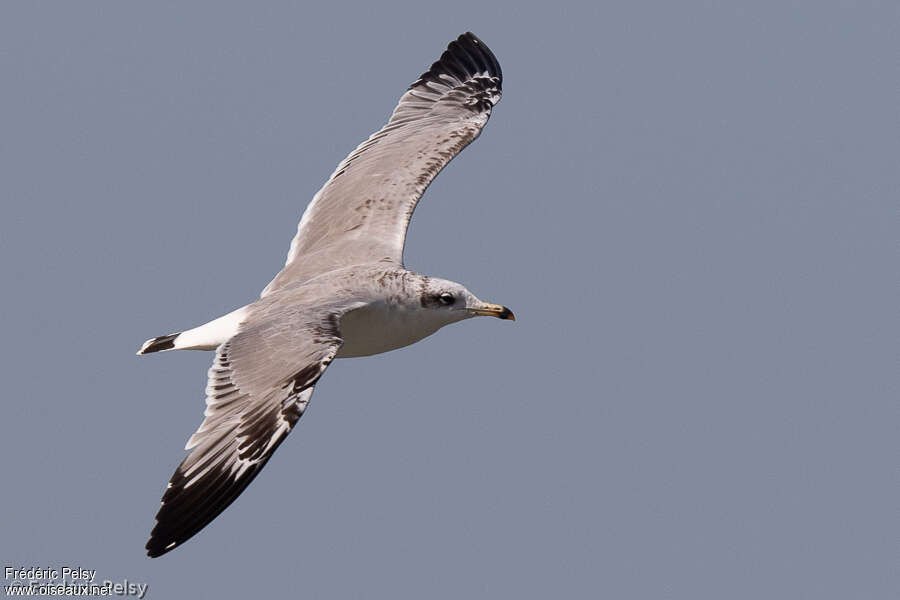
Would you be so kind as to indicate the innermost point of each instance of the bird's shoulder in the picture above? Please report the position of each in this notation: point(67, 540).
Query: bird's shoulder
point(338, 291)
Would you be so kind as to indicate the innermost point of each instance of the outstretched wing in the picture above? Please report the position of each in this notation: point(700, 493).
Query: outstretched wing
point(361, 214)
point(255, 395)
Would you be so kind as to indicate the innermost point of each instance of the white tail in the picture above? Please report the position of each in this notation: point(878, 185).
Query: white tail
point(205, 337)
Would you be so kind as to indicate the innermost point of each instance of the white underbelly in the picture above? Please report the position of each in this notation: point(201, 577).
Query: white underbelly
point(377, 328)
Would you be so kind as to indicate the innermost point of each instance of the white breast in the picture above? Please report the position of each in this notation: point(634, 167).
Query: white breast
point(381, 327)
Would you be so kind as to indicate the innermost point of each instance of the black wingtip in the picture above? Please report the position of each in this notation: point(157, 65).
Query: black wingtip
point(155, 550)
point(177, 523)
point(185, 511)
point(465, 57)
point(472, 42)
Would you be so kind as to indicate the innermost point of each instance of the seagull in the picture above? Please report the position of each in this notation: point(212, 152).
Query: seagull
point(343, 292)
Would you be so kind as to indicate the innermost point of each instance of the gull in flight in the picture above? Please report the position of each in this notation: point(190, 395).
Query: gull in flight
point(343, 292)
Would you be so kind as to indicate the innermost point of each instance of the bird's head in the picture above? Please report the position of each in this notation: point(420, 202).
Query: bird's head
point(457, 302)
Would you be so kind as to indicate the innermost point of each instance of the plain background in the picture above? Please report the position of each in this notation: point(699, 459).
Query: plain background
point(690, 206)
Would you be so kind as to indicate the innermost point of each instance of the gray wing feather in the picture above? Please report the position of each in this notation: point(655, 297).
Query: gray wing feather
point(259, 385)
point(361, 214)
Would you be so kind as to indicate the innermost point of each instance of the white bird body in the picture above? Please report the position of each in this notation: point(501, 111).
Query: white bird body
point(382, 326)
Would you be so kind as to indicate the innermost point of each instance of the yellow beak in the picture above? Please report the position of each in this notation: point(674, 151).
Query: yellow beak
point(486, 309)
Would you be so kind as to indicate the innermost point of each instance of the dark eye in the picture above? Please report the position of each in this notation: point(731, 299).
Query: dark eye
point(446, 298)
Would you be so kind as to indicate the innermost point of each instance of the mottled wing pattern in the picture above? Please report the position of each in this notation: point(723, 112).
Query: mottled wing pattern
point(255, 394)
point(362, 213)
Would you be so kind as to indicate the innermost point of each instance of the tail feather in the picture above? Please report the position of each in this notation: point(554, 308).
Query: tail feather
point(205, 337)
point(158, 344)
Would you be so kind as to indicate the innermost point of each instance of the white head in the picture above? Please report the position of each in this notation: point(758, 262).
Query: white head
point(456, 303)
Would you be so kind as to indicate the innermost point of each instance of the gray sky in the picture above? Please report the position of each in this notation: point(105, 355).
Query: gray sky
point(691, 208)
